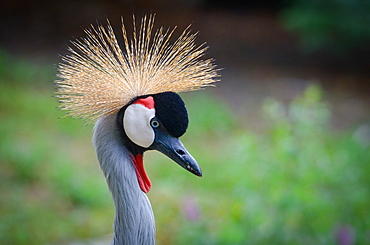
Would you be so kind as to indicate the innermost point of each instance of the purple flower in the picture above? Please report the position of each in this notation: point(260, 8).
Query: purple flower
point(344, 235)
point(191, 208)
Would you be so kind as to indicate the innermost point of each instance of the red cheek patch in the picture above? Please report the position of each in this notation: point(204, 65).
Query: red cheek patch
point(148, 102)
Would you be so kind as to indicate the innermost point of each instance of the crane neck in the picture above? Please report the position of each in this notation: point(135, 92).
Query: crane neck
point(134, 220)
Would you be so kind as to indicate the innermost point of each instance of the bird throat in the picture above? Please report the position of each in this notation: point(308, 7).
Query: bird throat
point(142, 177)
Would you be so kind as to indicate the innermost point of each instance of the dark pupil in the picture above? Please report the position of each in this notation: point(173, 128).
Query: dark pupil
point(155, 124)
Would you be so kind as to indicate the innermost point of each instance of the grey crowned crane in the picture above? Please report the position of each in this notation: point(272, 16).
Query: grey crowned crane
point(130, 93)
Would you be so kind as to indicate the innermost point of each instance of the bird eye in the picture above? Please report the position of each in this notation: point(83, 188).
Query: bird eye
point(154, 123)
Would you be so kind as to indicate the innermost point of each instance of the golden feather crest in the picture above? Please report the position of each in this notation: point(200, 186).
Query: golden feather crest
point(98, 76)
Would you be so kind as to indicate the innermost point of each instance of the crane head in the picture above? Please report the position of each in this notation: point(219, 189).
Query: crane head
point(102, 76)
point(155, 122)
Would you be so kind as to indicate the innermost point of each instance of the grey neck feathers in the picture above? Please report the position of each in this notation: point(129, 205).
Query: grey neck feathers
point(134, 220)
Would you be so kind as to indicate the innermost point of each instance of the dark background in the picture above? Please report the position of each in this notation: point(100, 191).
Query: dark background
point(250, 40)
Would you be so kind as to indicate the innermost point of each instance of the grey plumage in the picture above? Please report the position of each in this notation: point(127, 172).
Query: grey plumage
point(99, 79)
point(134, 220)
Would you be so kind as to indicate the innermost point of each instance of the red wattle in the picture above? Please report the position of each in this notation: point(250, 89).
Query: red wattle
point(142, 177)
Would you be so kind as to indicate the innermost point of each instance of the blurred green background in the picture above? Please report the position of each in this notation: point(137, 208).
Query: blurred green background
point(283, 141)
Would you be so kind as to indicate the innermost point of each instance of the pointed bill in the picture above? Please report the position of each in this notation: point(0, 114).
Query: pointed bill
point(174, 149)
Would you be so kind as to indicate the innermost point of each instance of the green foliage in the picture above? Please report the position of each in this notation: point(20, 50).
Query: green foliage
point(298, 183)
point(47, 192)
point(342, 25)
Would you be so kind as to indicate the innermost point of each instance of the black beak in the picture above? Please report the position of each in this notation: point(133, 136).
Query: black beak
point(174, 149)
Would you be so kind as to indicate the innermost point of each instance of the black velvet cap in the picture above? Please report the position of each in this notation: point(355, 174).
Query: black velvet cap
point(170, 110)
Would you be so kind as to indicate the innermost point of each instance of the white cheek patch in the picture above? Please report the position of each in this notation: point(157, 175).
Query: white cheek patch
point(136, 123)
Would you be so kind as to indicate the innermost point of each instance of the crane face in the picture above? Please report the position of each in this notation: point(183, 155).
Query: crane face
point(155, 122)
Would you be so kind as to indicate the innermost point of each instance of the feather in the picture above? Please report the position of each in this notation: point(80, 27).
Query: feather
point(99, 76)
